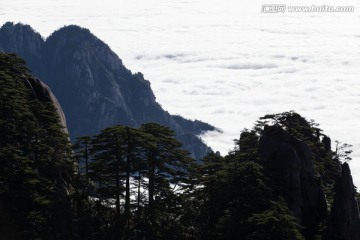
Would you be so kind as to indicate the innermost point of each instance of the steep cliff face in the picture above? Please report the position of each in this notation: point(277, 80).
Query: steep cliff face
point(344, 221)
point(292, 165)
point(24, 41)
point(92, 84)
point(43, 93)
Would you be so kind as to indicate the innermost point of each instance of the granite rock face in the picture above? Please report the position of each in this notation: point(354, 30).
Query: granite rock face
point(344, 221)
point(93, 86)
point(293, 171)
point(24, 41)
point(43, 93)
point(327, 143)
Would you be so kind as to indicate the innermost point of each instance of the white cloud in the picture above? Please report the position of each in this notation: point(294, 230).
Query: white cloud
point(226, 63)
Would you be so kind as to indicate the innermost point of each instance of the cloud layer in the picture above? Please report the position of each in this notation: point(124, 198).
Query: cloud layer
point(226, 63)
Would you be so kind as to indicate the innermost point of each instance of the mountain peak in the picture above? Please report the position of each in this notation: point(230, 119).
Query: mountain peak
point(93, 86)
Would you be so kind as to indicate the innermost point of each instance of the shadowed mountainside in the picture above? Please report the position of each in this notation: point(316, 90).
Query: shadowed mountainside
point(93, 86)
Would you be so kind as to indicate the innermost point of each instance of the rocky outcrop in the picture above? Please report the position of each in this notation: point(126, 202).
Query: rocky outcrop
point(194, 145)
point(93, 86)
point(291, 164)
point(344, 221)
point(327, 143)
point(42, 92)
point(24, 41)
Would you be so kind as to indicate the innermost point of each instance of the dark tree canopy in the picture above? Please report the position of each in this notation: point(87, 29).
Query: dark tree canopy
point(36, 169)
point(281, 180)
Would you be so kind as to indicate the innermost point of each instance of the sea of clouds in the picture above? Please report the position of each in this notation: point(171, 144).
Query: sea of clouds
point(226, 62)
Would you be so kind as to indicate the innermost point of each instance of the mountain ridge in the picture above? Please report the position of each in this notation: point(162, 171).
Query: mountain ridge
point(92, 84)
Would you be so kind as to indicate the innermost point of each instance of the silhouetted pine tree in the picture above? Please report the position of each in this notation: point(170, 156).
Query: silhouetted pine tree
point(167, 171)
point(36, 168)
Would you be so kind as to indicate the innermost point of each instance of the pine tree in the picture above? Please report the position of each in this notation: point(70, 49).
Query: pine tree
point(36, 169)
point(167, 170)
point(275, 223)
point(209, 195)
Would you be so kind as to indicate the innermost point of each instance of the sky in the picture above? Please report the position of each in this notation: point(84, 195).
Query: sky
point(227, 62)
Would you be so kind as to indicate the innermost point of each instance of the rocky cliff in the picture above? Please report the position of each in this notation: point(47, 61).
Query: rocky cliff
point(292, 164)
point(43, 93)
point(93, 86)
point(344, 221)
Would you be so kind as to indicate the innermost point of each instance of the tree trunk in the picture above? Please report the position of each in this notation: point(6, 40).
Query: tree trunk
point(117, 189)
point(139, 197)
point(151, 186)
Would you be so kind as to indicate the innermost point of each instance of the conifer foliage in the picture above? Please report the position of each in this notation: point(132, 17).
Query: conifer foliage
point(135, 175)
point(35, 165)
point(137, 183)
